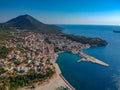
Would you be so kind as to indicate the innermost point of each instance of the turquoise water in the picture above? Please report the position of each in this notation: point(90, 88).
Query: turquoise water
point(89, 76)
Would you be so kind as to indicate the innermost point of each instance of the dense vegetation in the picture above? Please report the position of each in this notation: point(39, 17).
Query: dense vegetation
point(87, 40)
point(2, 70)
point(6, 33)
point(15, 81)
point(4, 51)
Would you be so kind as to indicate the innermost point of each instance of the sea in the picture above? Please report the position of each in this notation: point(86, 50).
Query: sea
point(87, 75)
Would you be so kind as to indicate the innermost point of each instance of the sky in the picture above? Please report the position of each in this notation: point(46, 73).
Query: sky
point(103, 12)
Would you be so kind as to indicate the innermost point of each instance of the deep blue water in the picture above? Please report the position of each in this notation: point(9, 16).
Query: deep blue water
point(89, 76)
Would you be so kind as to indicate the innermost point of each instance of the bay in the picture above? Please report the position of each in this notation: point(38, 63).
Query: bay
point(89, 76)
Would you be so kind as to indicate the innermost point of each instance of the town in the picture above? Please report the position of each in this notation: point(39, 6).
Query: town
point(34, 52)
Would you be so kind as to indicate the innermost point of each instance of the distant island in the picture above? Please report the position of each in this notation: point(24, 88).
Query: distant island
point(28, 53)
point(116, 31)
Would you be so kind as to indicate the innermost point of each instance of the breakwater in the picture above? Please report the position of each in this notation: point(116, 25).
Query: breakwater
point(92, 59)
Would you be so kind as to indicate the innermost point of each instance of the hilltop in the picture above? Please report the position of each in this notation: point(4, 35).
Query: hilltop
point(29, 23)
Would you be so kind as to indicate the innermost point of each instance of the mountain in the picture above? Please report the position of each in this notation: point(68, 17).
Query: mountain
point(27, 22)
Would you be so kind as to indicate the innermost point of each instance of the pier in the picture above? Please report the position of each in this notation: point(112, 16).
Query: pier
point(89, 58)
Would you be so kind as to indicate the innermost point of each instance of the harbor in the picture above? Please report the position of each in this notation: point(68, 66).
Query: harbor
point(86, 57)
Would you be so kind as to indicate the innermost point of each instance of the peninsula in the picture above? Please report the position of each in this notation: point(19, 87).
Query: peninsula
point(28, 53)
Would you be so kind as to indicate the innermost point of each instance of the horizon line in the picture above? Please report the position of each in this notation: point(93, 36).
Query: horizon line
point(90, 24)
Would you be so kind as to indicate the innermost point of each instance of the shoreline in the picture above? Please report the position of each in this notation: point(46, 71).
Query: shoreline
point(56, 82)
